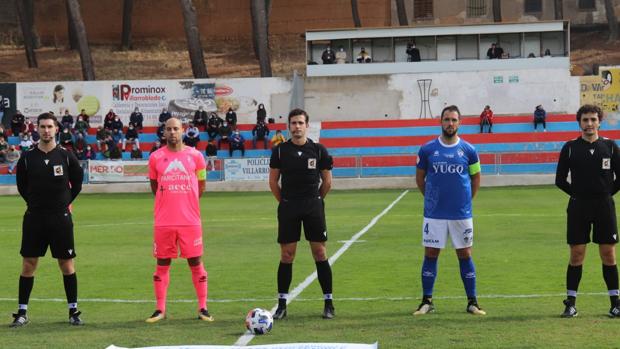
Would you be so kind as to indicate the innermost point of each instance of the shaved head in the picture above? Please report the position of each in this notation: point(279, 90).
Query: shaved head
point(173, 132)
point(174, 121)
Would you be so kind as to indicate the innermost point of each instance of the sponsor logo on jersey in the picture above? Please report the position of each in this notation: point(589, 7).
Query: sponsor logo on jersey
point(444, 167)
point(175, 165)
point(431, 241)
point(58, 171)
point(312, 164)
point(47, 161)
point(436, 153)
point(606, 163)
point(298, 153)
point(592, 151)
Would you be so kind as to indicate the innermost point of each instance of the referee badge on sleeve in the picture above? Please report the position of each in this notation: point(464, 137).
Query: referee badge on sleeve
point(312, 164)
point(606, 163)
point(58, 170)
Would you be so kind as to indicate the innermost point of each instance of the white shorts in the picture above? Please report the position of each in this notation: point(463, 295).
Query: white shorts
point(435, 232)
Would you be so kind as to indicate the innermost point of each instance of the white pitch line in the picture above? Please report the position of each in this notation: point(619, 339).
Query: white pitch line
point(247, 337)
point(344, 299)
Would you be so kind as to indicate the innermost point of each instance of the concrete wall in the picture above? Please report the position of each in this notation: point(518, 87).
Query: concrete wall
point(455, 12)
point(398, 96)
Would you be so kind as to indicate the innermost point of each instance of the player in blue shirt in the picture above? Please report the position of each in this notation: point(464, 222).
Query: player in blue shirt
point(448, 175)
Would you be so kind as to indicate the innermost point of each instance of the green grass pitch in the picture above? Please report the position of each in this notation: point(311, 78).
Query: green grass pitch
point(519, 251)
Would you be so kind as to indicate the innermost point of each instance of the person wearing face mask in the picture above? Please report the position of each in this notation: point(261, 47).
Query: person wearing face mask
point(328, 57)
point(341, 56)
point(136, 118)
point(261, 113)
point(224, 131)
point(231, 118)
point(413, 53)
point(236, 143)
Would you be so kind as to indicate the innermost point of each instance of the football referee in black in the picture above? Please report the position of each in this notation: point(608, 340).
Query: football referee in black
point(594, 165)
point(305, 170)
point(49, 178)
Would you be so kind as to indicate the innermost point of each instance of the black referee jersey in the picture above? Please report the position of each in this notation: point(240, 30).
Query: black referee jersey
point(300, 168)
point(49, 181)
point(594, 168)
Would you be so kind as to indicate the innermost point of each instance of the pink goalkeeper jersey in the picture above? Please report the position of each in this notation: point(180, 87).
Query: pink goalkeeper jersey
point(176, 200)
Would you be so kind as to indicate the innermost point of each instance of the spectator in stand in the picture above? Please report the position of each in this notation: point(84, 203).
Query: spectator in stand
point(224, 132)
point(3, 132)
point(80, 143)
point(136, 153)
point(136, 118)
point(211, 152)
point(260, 132)
point(213, 126)
point(17, 123)
point(160, 133)
point(67, 120)
point(236, 143)
point(66, 139)
point(81, 126)
point(85, 117)
point(117, 129)
point(540, 117)
point(164, 116)
point(413, 53)
point(112, 150)
point(261, 113)
point(4, 148)
point(109, 119)
point(277, 139)
point(341, 56)
point(26, 142)
point(486, 118)
point(192, 136)
point(495, 52)
point(231, 118)
point(155, 146)
point(328, 57)
point(12, 156)
point(131, 136)
point(89, 153)
point(101, 136)
point(201, 118)
point(364, 57)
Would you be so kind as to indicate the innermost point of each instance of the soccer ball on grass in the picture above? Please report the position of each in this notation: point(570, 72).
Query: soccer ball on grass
point(259, 321)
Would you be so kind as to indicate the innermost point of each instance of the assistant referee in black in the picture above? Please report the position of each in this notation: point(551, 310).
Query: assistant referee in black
point(49, 178)
point(305, 170)
point(594, 165)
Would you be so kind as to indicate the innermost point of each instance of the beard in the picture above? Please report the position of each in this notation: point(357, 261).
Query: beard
point(448, 134)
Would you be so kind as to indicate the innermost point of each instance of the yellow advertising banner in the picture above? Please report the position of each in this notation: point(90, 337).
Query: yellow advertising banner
point(603, 90)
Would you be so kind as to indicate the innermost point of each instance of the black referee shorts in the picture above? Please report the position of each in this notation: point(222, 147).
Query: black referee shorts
point(43, 229)
point(291, 215)
point(598, 215)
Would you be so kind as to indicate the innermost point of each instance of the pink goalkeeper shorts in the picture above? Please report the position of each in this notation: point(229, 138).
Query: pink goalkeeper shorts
point(188, 238)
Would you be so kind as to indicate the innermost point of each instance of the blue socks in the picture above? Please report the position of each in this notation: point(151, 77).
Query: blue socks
point(429, 274)
point(468, 275)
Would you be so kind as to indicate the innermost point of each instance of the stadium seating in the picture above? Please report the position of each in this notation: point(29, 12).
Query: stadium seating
point(386, 147)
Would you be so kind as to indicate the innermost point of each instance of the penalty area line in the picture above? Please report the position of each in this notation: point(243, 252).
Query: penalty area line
point(247, 337)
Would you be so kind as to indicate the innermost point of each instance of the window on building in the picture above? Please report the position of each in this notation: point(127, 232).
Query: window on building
point(587, 4)
point(533, 6)
point(423, 9)
point(476, 8)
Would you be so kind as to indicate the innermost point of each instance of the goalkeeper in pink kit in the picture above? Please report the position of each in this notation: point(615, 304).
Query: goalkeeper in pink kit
point(178, 177)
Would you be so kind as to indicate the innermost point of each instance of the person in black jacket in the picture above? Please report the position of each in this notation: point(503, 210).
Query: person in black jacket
point(49, 178)
point(260, 132)
point(594, 166)
point(136, 118)
point(261, 113)
point(231, 118)
point(164, 116)
point(413, 53)
point(200, 118)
